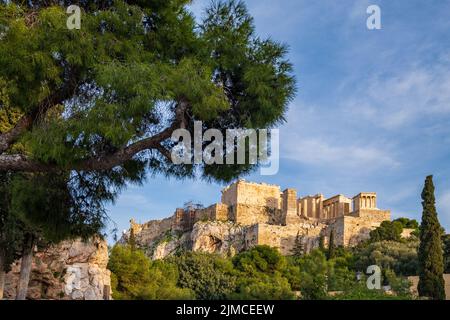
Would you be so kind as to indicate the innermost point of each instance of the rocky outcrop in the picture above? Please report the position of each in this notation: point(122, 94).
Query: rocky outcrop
point(218, 237)
point(72, 270)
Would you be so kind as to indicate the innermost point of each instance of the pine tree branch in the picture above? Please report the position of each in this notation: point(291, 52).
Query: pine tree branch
point(8, 138)
point(104, 162)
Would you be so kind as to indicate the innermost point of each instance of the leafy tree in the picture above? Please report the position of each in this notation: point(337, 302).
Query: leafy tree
point(431, 262)
point(260, 259)
point(331, 246)
point(262, 287)
point(401, 257)
point(388, 230)
point(136, 277)
point(341, 273)
point(133, 74)
point(260, 275)
point(209, 276)
point(313, 275)
point(38, 208)
point(408, 223)
point(98, 105)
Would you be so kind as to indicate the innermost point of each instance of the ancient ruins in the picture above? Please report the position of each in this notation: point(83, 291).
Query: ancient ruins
point(252, 214)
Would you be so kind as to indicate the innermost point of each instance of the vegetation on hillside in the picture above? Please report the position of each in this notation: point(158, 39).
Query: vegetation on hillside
point(259, 273)
point(263, 273)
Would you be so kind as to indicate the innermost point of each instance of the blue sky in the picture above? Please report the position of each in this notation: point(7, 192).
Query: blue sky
point(372, 111)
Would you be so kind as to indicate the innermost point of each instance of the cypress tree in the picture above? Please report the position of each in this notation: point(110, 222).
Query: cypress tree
point(299, 247)
point(431, 262)
point(446, 240)
point(322, 243)
point(331, 246)
point(132, 240)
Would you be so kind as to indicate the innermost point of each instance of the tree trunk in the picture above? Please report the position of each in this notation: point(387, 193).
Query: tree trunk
point(2, 276)
point(25, 267)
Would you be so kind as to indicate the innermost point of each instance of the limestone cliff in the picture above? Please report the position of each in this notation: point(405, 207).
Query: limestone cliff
point(72, 270)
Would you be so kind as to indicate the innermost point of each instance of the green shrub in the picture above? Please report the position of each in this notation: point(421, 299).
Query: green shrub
point(136, 277)
point(401, 257)
point(209, 276)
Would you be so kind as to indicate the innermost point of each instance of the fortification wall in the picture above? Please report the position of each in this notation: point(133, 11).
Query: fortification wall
point(250, 214)
point(149, 231)
point(354, 228)
point(283, 237)
point(255, 194)
point(217, 211)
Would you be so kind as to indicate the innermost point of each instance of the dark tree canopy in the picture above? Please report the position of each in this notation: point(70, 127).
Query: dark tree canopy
point(388, 230)
point(107, 97)
point(431, 261)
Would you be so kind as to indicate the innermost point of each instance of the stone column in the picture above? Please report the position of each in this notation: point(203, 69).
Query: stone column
point(313, 207)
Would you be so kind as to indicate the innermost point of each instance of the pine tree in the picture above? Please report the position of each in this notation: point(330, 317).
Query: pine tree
point(331, 246)
point(299, 247)
point(431, 262)
point(217, 70)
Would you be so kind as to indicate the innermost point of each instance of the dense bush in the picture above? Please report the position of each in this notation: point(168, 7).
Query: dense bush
point(388, 230)
point(408, 223)
point(260, 275)
point(401, 257)
point(136, 277)
point(209, 276)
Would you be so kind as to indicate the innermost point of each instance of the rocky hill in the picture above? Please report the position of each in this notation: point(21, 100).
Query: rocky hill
point(252, 214)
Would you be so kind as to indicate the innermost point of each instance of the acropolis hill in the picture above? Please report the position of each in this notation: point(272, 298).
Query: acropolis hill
point(252, 214)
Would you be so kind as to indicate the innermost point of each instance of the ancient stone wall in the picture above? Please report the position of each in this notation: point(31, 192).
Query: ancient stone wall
point(72, 270)
point(354, 228)
point(283, 237)
point(248, 193)
point(151, 230)
point(250, 214)
point(218, 211)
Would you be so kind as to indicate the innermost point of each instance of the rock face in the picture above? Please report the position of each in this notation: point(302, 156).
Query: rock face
point(72, 270)
point(218, 237)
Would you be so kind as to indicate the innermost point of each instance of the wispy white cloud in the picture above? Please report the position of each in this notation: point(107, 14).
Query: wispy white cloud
point(393, 101)
point(318, 152)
